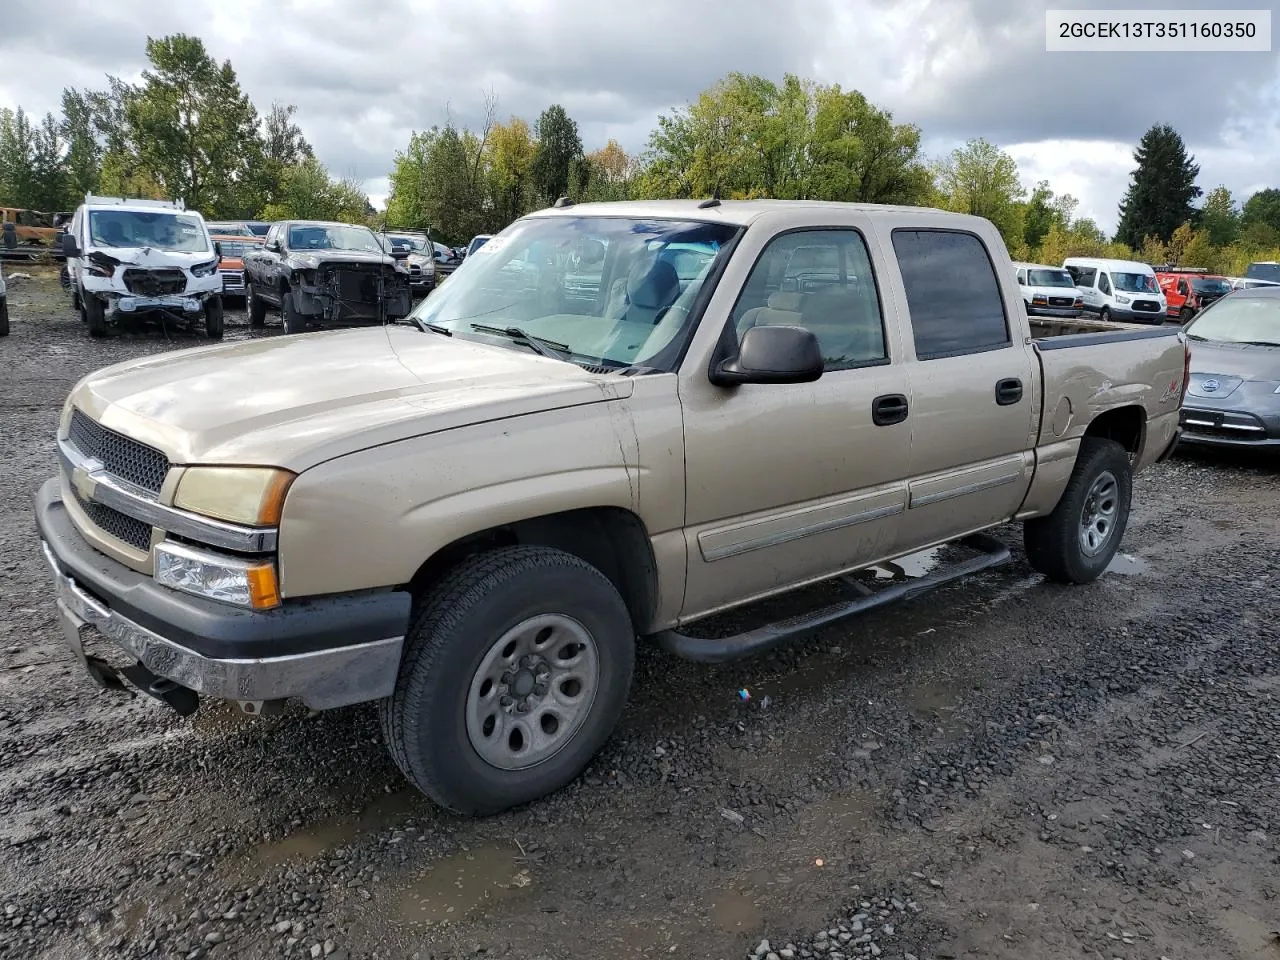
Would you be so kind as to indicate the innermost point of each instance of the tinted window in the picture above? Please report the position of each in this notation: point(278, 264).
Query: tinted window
point(820, 280)
point(952, 293)
point(1104, 284)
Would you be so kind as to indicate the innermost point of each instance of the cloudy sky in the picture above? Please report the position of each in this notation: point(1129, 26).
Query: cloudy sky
point(364, 75)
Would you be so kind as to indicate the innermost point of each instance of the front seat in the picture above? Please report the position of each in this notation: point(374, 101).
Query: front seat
point(651, 289)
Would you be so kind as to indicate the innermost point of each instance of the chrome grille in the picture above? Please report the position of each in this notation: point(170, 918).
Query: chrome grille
point(1150, 306)
point(126, 458)
point(133, 532)
point(154, 282)
point(232, 280)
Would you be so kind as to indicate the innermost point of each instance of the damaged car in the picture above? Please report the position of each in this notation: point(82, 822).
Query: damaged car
point(322, 274)
point(137, 258)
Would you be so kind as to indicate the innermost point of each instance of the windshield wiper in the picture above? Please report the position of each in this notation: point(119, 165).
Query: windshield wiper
point(423, 325)
point(1194, 336)
point(539, 345)
point(1259, 343)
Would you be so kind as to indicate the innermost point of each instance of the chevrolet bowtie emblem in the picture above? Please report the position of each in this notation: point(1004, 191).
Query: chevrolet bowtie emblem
point(83, 482)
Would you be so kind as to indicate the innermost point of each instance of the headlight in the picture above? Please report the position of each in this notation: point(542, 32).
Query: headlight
point(217, 576)
point(252, 495)
point(205, 269)
point(306, 261)
point(1120, 299)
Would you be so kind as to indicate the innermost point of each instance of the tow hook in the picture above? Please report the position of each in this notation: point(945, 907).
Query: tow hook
point(183, 700)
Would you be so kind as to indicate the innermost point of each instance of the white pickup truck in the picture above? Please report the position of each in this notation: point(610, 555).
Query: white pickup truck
point(615, 420)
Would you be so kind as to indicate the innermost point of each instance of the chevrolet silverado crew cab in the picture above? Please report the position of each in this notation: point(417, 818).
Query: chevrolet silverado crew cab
point(616, 420)
point(142, 257)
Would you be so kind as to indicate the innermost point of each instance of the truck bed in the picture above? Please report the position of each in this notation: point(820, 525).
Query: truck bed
point(1043, 328)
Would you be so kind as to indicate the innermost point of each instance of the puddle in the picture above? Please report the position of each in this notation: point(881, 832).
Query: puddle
point(311, 841)
point(458, 886)
point(734, 910)
point(1127, 564)
point(930, 701)
point(844, 813)
point(911, 567)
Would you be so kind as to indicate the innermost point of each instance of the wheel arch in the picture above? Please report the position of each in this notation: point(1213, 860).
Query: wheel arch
point(1126, 425)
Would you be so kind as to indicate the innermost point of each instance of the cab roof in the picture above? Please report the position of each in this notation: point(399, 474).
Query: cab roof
point(735, 212)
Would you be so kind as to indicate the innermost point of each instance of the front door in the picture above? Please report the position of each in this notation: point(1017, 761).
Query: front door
point(787, 483)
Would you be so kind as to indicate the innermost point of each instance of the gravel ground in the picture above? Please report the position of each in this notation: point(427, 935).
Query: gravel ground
point(1003, 769)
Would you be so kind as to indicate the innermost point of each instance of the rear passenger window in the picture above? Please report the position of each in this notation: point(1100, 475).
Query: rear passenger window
point(952, 293)
point(820, 280)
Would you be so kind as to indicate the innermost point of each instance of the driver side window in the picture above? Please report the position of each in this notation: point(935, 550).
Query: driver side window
point(820, 280)
point(1104, 283)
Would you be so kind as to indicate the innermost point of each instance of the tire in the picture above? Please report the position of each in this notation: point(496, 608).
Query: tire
point(213, 317)
point(94, 314)
point(257, 307)
point(1104, 315)
point(4, 316)
point(1056, 544)
point(457, 636)
point(293, 321)
point(1185, 315)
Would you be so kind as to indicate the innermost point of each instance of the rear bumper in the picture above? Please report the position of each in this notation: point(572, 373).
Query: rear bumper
point(329, 651)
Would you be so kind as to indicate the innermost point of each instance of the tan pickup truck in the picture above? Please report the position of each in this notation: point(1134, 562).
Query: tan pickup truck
point(614, 420)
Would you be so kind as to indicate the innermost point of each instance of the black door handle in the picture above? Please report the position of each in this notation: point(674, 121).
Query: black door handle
point(889, 409)
point(1008, 391)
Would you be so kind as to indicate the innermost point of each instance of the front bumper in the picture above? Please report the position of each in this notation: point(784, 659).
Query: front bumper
point(329, 651)
point(1065, 313)
point(1226, 427)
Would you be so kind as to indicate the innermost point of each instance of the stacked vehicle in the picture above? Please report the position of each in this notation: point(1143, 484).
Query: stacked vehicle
point(1188, 290)
point(142, 258)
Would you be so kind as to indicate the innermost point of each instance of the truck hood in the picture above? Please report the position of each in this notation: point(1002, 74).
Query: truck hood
point(323, 257)
point(148, 256)
point(297, 401)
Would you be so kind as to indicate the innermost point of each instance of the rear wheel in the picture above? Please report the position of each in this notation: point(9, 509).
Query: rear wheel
point(515, 672)
point(95, 314)
point(1077, 541)
point(1185, 315)
point(257, 307)
point(213, 317)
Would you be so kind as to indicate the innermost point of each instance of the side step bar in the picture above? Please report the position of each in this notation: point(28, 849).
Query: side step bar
point(753, 642)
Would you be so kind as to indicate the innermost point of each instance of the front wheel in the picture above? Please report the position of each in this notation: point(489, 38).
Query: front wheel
point(514, 674)
point(1077, 541)
point(1185, 315)
point(213, 317)
point(1104, 315)
point(257, 307)
point(290, 318)
point(95, 314)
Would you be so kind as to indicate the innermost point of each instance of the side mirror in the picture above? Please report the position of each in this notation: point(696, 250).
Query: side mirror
point(217, 248)
point(69, 246)
point(272, 245)
point(772, 354)
point(400, 253)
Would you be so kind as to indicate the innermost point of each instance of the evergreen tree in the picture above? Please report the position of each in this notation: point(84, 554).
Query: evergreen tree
point(1162, 189)
point(559, 145)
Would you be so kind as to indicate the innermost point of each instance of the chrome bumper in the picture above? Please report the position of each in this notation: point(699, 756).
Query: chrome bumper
point(322, 679)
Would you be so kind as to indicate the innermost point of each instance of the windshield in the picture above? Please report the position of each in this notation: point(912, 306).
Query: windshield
point(416, 244)
point(179, 232)
point(1134, 282)
point(613, 291)
point(320, 236)
point(230, 229)
point(1049, 278)
point(1211, 285)
point(1263, 271)
point(235, 249)
point(1239, 319)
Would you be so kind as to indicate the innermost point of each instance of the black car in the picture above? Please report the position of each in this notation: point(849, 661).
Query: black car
point(319, 273)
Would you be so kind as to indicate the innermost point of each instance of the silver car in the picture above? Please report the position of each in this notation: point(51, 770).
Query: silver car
point(1233, 398)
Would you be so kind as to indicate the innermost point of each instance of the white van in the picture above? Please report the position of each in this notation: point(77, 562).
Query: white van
point(142, 256)
point(1122, 290)
point(1048, 291)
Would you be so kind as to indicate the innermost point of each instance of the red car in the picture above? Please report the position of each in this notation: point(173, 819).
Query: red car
point(1188, 290)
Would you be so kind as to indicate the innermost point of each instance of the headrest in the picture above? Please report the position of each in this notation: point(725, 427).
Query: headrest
point(653, 285)
point(784, 300)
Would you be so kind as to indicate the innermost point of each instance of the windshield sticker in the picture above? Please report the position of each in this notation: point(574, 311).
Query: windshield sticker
point(493, 245)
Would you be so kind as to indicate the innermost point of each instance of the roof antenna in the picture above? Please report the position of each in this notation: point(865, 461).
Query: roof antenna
point(563, 202)
point(713, 202)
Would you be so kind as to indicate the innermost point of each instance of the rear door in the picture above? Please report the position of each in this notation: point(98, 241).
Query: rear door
point(974, 384)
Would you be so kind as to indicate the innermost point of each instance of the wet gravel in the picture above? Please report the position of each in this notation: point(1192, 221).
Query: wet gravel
point(1004, 768)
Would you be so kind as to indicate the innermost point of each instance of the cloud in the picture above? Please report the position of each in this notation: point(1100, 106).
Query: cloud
point(365, 76)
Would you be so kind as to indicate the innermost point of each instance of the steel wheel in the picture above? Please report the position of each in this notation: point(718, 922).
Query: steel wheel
point(1098, 518)
point(532, 691)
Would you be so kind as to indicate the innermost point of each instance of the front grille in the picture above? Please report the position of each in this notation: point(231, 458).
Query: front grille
point(415, 271)
point(133, 532)
point(159, 282)
point(119, 455)
point(232, 281)
point(1238, 427)
point(1062, 301)
point(1149, 306)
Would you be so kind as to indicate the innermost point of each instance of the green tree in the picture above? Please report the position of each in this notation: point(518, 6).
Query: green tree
point(1039, 215)
point(48, 190)
point(860, 155)
point(981, 179)
point(510, 151)
point(559, 145)
point(83, 162)
point(1262, 208)
point(431, 186)
point(308, 192)
point(283, 149)
point(17, 161)
point(610, 174)
point(193, 128)
point(1220, 218)
point(1162, 188)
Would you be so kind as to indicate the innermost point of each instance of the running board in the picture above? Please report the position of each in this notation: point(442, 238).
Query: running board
point(744, 645)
